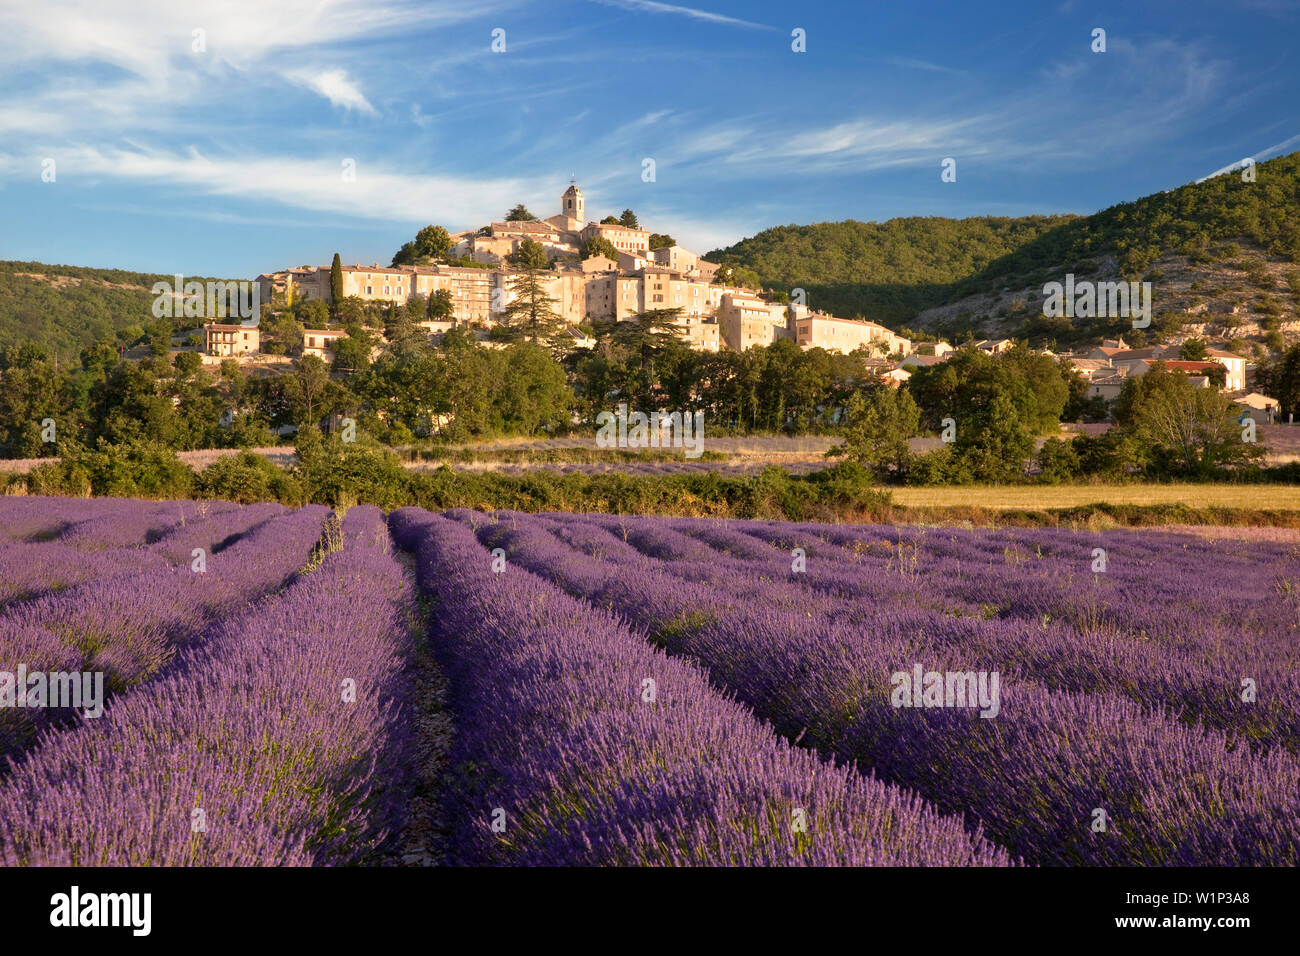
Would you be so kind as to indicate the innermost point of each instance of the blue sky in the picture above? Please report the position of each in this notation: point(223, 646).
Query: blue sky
point(228, 161)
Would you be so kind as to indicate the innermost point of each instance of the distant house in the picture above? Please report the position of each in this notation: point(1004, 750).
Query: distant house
point(320, 342)
point(1107, 385)
point(1260, 407)
point(1236, 366)
point(231, 340)
point(1091, 368)
point(939, 349)
point(922, 361)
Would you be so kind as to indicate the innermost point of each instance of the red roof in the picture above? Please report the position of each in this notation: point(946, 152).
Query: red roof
point(1193, 366)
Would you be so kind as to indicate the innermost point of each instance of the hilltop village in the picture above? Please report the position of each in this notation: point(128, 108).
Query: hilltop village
point(595, 273)
point(626, 278)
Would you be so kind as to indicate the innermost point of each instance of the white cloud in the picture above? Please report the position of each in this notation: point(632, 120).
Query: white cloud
point(335, 86)
point(378, 192)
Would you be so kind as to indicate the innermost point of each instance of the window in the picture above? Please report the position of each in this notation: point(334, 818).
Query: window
point(311, 342)
point(370, 290)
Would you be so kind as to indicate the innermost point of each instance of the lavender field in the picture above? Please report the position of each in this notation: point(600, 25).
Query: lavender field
point(262, 686)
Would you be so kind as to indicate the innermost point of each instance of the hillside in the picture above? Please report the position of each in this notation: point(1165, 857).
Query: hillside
point(887, 271)
point(63, 309)
point(893, 271)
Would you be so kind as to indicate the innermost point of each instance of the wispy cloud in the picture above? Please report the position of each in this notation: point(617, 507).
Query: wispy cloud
point(335, 86)
point(651, 6)
point(909, 62)
point(377, 192)
point(1263, 154)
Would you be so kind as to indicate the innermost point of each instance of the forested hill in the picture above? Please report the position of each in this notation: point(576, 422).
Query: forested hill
point(63, 309)
point(890, 271)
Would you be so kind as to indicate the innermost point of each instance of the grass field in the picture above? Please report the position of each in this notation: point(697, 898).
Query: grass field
point(1068, 496)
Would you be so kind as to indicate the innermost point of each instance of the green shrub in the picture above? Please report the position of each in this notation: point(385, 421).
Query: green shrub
point(246, 478)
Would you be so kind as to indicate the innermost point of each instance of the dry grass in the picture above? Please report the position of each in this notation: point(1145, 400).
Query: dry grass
point(1284, 497)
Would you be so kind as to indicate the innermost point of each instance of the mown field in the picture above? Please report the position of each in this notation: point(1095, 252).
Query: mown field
point(1032, 497)
point(304, 687)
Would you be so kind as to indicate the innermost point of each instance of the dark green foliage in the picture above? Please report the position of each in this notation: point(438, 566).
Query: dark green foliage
point(531, 254)
point(336, 281)
point(599, 246)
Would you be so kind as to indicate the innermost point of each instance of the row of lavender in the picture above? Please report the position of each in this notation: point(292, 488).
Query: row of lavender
point(1080, 737)
point(279, 739)
point(142, 596)
point(1171, 623)
point(580, 744)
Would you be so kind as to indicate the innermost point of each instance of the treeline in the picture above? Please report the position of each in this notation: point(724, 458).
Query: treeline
point(990, 409)
point(330, 471)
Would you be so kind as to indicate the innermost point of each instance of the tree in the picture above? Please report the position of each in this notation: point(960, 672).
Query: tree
point(352, 353)
point(636, 348)
point(1181, 429)
point(520, 213)
point(881, 420)
point(32, 391)
point(406, 255)
point(336, 282)
point(611, 221)
point(737, 276)
point(629, 219)
point(531, 254)
point(351, 310)
point(599, 246)
point(312, 313)
point(433, 242)
point(532, 396)
point(660, 241)
point(1194, 350)
point(531, 314)
point(187, 363)
point(1280, 379)
point(442, 306)
point(307, 388)
point(281, 334)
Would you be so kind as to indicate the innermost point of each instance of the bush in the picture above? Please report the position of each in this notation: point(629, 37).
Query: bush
point(335, 472)
point(246, 478)
point(1057, 462)
point(131, 469)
